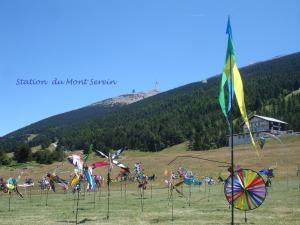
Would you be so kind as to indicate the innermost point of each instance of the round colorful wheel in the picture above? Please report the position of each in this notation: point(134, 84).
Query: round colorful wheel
point(249, 189)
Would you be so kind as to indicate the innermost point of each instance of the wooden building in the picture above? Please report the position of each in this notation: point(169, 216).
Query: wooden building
point(259, 125)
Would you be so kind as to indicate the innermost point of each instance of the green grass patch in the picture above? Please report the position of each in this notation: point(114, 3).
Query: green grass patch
point(207, 206)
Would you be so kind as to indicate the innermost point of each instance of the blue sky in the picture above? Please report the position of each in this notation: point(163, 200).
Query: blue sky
point(135, 43)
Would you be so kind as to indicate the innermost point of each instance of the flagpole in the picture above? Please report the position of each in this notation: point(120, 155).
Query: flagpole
point(231, 125)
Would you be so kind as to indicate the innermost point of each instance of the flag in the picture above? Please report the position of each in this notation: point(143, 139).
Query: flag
point(231, 76)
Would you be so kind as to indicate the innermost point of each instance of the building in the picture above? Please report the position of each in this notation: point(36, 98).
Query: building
point(259, 125)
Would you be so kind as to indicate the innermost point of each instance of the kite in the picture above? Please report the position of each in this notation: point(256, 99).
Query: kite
point(76, 161)
point(249, 190)
point(114, 155)
point(98, 180)
point(90, 179)
point(267, 172)
point(171, 185)
point(188, 177)
point(44, 183)
point(261, 142)
point(56, 179)
point(142, 181)
point(263, 139)
point(81, 171)
point(111, 160)
point(232, 77)
point(3, 186)
point(9, 186)
point(192, 181)
point(209, 180)
point(99, 164)
point(28, 183)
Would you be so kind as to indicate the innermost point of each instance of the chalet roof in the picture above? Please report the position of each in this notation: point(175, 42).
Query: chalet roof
point(267, 119)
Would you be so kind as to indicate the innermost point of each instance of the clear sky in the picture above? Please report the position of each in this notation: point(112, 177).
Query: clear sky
point(136, 43)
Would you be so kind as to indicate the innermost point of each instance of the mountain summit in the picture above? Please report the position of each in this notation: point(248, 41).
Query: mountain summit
point(126, 99)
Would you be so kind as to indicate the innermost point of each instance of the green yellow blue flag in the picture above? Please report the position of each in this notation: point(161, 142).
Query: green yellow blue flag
point(231, 76)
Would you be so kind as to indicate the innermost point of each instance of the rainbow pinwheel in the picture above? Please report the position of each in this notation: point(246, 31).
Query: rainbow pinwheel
point(249, 189)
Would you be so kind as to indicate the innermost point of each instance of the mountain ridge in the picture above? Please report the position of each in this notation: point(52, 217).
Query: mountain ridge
point(190, 112)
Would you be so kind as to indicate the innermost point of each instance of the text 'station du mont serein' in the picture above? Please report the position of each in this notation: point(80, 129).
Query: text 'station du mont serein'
point(68, 81)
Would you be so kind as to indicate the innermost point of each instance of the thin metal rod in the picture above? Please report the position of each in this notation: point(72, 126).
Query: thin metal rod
point(74, 201)
point(231, 123)
point(77, 206)
point(121, 190)
point(151, 189)
point(9, 201)
point(95, 197)
point(125, 188)
point(190, 194)
point(172, 205)
point(47, 196)
point(108, 185)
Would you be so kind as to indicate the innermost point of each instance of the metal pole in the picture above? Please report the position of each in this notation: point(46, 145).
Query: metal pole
point(108, 185)
point(190, 194)
point(9, 200)
point(287, 170)
point(151, 189)
point(125, 188)
point(231, 123)
point(172, 205)
point(77, 205)
point(47, 196)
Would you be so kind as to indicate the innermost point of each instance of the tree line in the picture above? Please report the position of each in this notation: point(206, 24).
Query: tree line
point(188, 113)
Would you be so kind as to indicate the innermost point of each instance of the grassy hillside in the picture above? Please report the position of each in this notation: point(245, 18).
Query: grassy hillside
point(208, 205)
point(285, 156)
point(188, 113)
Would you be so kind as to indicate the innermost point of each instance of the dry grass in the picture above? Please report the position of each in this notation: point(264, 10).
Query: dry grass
point(282, 205)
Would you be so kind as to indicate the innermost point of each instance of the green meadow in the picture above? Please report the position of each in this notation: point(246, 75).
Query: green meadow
point(207, 206)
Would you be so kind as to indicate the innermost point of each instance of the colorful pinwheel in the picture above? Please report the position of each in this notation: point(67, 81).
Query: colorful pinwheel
point(111, 160)
point(249, 189)
point(53, 178)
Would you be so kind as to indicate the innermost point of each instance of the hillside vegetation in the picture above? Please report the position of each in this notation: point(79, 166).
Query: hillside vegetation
point(188, 113)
